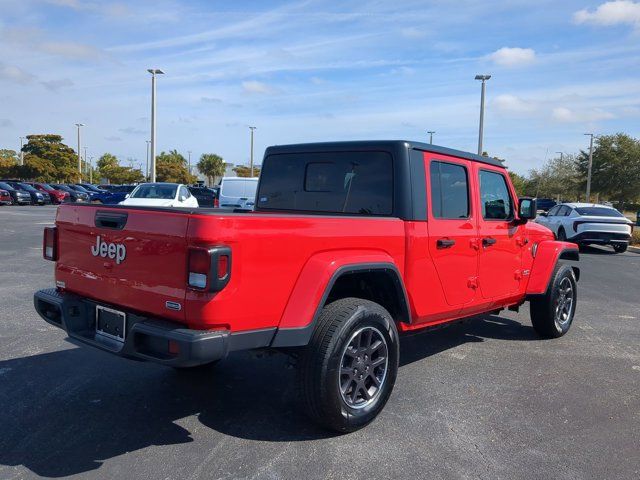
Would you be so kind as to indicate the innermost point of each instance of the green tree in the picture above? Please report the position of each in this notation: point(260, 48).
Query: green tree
point(8, 162)
point(172, 167)
point(615, 172)
point(48, 159)
point(558, 177)
point(110, 169)
point(211, 165)
point(519, 183)
point(244, 171)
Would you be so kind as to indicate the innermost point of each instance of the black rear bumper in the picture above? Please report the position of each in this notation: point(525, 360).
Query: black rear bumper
point(601, 238)
point(159, 341)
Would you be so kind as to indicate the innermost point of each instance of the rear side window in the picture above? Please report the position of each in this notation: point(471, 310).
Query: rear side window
point(328, 182)
point(449, 190)
point(494, 196)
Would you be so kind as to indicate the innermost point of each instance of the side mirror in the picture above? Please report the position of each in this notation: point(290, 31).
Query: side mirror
point(543, 214)
point(527, 209)
point(126, 196)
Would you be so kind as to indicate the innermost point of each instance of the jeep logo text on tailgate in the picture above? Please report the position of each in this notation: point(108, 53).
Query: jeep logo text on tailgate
point(111, 250)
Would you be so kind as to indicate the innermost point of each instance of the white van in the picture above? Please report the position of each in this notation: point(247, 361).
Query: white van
point(238, 192)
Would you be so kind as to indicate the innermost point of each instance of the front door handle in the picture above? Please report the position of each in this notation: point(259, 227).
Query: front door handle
point(488, 241)
point(445, 243)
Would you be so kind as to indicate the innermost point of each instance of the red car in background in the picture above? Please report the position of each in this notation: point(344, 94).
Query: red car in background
point(5, 198)
point(57, 196)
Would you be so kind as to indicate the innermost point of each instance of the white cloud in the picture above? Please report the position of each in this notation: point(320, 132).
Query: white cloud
point(15, 74)
point(253, 86)
point(618, 12)
point(55, 85)
point(513, 57)
point(413, 33)
point(513, 104)
point(566, 115)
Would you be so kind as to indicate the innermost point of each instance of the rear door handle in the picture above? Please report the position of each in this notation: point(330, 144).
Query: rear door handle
point(445, 243)
point(488, 241)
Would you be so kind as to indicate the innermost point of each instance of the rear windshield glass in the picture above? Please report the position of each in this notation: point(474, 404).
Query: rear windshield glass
point(239, 188)
point(331, 182)
point(164, 192)
point(599, 211)
point(6, 186)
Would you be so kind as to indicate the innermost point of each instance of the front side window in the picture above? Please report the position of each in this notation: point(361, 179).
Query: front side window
point(494, 196)
point(449, 190)
point(328, 182)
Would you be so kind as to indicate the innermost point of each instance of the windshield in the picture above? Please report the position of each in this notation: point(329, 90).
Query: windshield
point(91, 188)
point(78, 188)
point(599, 212)
point(6, 186)
point(27, 187)
point(46, 186)
point(239, 188)
point(63, 187)
point(156, 191)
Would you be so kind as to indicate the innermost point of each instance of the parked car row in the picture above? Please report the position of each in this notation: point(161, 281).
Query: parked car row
point(232, 192)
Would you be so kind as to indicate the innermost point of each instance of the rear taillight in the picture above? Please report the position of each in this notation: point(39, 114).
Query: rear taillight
point(216, 202)
point(50, 244)
point(209, 269)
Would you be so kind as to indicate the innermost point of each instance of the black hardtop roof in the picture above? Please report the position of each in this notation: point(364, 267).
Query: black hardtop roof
point(379, 144)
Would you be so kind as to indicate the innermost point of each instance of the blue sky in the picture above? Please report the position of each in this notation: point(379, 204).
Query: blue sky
point(318, 71)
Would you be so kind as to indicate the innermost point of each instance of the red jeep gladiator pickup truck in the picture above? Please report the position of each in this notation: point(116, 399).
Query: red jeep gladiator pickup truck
point(350, 244)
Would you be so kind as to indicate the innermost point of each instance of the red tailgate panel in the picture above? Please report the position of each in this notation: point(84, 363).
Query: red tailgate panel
point(152, 273)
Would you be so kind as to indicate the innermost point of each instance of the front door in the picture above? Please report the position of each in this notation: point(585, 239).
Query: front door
point(453, 235)
point(501, 240)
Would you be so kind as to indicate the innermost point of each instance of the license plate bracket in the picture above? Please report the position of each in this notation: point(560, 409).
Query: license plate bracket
point(111, 323)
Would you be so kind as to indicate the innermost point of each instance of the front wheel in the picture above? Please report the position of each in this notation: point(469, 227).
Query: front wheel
point(348, 369)
point(620, 247)
point(552, 313)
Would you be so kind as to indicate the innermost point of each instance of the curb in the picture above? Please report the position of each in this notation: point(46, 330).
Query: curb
point(633, 249)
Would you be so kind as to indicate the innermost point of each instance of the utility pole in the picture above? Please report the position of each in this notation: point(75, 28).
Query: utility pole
point(189, 161)
point(484, 79)
point(147, 170)
point(589, 167)
point(251, 158)
point(431, 132)
point(153, 72)
point(86, 166)
point(79, 154)
point(21, 152)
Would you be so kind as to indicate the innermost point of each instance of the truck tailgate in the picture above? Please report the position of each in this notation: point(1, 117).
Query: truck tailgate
point(131, 258)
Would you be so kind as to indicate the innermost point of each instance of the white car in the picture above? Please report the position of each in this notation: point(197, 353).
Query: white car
point(588, 223)
point(238, 192)
point(161, 195)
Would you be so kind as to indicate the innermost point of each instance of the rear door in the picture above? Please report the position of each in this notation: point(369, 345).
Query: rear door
point(452, 228)
point(500, 238)
point(128, 258)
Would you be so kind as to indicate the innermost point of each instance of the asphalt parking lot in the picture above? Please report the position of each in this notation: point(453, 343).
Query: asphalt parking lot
point(483, 399)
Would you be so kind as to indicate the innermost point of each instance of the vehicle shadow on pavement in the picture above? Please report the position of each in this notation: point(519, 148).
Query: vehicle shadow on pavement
point(593, 250)
point(66, 412)
point(415, 347)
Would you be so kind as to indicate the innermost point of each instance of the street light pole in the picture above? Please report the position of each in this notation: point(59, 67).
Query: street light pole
point(589, 167)
point(189, 161)
point(561, 155)
point(153, 72)
point(147, 169)
point(90, 169)
point(86, 166)
point(21, 152)
point(431, 132)
point(79, 154)
point(484, 79)
point(251, 158)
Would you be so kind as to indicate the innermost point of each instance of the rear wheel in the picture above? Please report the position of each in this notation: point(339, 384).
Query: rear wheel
point(348, 370)
point(620, 247)
point(562, 235)
point(552, 313)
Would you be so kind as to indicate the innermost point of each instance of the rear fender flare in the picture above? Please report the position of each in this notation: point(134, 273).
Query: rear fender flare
point(314, 285)
point(548, 254)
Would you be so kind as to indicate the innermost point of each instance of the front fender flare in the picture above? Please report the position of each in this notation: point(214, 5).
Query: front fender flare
point(548, 253)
